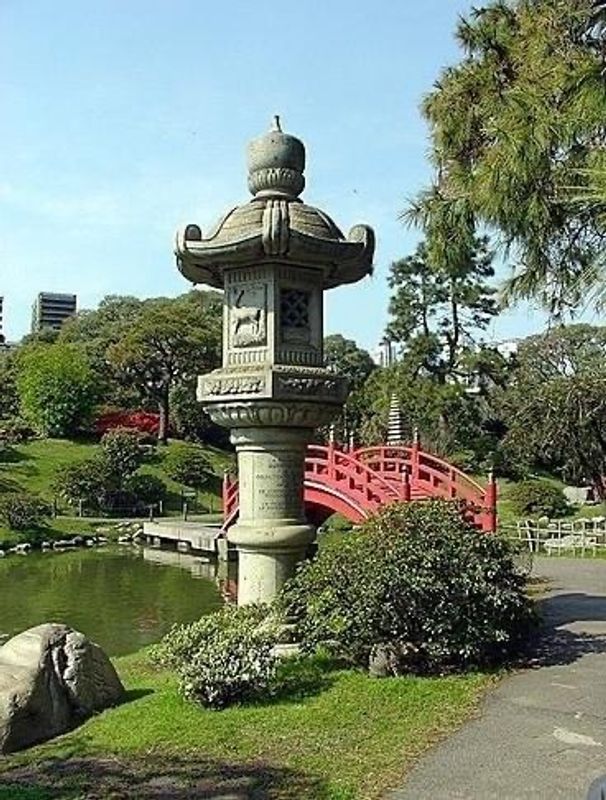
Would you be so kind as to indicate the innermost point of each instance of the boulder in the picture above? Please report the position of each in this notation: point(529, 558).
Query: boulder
point(382, 661)
point(51, 679)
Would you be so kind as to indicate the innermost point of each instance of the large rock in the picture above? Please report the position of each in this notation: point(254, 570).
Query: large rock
point(51, 678)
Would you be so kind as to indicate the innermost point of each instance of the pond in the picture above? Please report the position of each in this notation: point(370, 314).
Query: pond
point(122, 598)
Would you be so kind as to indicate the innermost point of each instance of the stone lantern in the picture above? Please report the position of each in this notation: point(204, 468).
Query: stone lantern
point(274, 257)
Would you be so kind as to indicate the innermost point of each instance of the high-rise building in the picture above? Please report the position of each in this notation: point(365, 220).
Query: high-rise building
point(51, 310)
point(385, 354)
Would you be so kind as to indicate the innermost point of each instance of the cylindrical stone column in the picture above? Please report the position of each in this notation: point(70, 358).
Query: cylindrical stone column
point(271, 534)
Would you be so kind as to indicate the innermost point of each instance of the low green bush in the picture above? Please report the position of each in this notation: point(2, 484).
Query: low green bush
point(223, 658)
point(22, 511)
point(122, 451)
point(188, 464)
point(15, 430)
point(108, 481)
point(145, 489)
point(89, 481)
point(418, 583)
point(538, 498)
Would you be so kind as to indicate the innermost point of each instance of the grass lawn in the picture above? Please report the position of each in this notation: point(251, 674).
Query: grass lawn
point(353, 737)
point(508, 516)
point(31, 467)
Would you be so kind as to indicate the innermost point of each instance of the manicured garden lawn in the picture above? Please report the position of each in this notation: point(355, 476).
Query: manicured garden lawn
point(31, 467)
point(354, 737)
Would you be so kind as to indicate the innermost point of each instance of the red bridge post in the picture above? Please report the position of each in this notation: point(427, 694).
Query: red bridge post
point(414, 456)
point(406, 493)
point(225, 489)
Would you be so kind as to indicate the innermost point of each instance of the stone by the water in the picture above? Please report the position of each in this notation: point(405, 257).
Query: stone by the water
point(51, 678)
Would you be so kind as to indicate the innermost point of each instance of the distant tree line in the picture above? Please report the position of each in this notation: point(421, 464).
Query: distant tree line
point(125, 354)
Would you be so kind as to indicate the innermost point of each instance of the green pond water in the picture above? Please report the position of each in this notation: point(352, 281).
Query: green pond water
point(122, 598)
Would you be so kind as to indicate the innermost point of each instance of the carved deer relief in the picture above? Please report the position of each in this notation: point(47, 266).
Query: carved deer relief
point(247, 316)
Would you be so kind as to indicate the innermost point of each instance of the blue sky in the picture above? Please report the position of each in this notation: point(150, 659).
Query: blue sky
point(125, 119)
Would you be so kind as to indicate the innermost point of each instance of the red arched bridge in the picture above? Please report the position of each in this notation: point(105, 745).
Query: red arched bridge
point(357, 483)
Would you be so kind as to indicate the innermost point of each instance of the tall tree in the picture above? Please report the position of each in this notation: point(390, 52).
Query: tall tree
point(518, 123)
point(555, 404)
point(345, 357)
point(355, 364)
point(96, 330)
point(440, 300)
point(57, 387)
point(169, 343)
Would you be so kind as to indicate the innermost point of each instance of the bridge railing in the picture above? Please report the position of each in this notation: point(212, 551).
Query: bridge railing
point(341, 471)
point(430, 475)
point(374, 476)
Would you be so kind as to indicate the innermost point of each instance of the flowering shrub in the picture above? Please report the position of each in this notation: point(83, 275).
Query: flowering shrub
point(222, 658)
point(418, 584)
point(143, 421)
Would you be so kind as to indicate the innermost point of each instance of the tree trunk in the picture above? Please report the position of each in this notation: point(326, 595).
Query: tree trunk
point(163, 423)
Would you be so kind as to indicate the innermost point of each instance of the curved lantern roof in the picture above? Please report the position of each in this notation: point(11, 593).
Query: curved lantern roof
point(275, 225)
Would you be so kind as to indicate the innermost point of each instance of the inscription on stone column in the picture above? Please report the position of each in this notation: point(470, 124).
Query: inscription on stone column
point(278, 486)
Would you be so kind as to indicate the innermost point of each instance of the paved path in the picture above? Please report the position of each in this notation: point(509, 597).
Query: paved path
point(542, 733)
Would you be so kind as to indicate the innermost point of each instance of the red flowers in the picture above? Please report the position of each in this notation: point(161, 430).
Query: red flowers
point(143, 421)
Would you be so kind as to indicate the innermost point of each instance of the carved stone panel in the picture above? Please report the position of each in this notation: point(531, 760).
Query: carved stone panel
point(248, 315)
point(294, 385)
point(234, 385)
point(295, 324)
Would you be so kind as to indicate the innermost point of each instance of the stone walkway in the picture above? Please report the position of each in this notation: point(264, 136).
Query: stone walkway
point(542, 733)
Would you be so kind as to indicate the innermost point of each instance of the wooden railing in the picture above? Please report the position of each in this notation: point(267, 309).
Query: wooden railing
point(371, 477)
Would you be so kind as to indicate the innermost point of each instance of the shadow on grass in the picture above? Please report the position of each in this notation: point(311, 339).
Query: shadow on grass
point(156, 776)
point(299, 678)
point(12, 456)
point(130, 695)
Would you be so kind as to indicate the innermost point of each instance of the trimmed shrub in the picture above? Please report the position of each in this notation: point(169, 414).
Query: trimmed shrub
point(15, 430)
point(416, 583)
point(122, 452)
point(223, 658)
point(145, 489)
point(188, 464)
point(22, 511)
point(90, 481)
point(539, 499)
